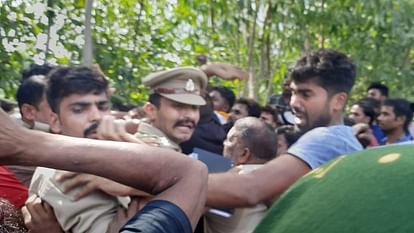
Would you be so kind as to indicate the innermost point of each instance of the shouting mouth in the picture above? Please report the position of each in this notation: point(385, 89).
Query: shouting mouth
point(186, 125)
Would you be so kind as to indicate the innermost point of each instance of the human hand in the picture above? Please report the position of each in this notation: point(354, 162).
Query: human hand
point(39, 217)
point(117, 130)
point(225, 71)
point(122, 130)
point(363, 133)
point(89, 183)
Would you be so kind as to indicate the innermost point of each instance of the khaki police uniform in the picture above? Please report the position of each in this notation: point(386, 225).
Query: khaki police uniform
point(90, 214)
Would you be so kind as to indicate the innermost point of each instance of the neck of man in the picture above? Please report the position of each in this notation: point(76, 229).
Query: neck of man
point(337, 120)
point(394, 135)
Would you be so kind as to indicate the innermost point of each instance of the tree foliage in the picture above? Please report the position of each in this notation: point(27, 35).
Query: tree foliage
point(134, 38)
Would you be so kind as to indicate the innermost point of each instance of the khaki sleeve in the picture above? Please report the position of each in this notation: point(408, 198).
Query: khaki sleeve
point(91, 214)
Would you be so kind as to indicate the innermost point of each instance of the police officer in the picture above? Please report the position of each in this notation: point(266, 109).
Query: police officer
point(173, 106)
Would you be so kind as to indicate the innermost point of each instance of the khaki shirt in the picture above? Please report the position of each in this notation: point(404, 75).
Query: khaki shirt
point(243, 220)
point(94, 212)
point(146, 130)
point(90, 214)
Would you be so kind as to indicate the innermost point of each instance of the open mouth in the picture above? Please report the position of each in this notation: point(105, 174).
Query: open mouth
point(189, 126)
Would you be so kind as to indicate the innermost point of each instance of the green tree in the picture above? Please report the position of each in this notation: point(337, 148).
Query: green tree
point(133, 38)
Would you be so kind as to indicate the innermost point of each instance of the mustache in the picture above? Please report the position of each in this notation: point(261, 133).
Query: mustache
point(185, 121)
point(90, 129)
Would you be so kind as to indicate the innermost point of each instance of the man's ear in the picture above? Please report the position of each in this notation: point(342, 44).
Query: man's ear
point(245, 157)
point(28, 112)
point(150, 110)
point(54, 123)
point(339, 101)
point(400, 119)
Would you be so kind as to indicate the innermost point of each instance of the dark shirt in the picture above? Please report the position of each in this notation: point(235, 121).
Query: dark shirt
point(405, 138)
point(158, 216)
point(207, 135)
point(379, 135)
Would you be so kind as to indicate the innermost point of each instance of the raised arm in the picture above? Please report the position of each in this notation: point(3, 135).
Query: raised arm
point(161, 172)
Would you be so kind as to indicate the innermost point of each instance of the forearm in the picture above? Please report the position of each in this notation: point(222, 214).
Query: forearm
point(230, 190)
point(154, 170)
point(131, 164)
point(263, 185)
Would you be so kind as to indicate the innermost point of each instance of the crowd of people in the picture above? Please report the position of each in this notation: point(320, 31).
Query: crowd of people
point(71, 163)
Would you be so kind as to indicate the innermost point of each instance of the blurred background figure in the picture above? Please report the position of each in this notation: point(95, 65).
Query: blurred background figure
point(286, 135)
point(223, 99)
point(269, 116)
point(394, 119)
point(282, 104)
point(243, 107)
point(378, 91)
point(364, 112)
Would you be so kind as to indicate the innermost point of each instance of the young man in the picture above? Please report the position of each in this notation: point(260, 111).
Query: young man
point(78, 97)
point(34, 110)
point(321, 82)
point(160, 172)
point(394, 119)
point(33, 106)
point(173, 107)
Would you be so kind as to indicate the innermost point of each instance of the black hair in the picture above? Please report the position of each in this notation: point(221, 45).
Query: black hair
point(379, 86)
point(35, 69)
point(226, 93)
point(271, 110)
point(368, 106)
point(31, 91)
point(155, 99)
point(253, 108)
point(330, 69)
point(65, 81)
point(290, 132)
point(401, 107)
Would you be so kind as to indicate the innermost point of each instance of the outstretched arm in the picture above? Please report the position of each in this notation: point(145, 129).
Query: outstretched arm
point(263, 185)
point(161, 172)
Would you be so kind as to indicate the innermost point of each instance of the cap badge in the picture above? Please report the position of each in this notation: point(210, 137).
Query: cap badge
point(189, 86)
